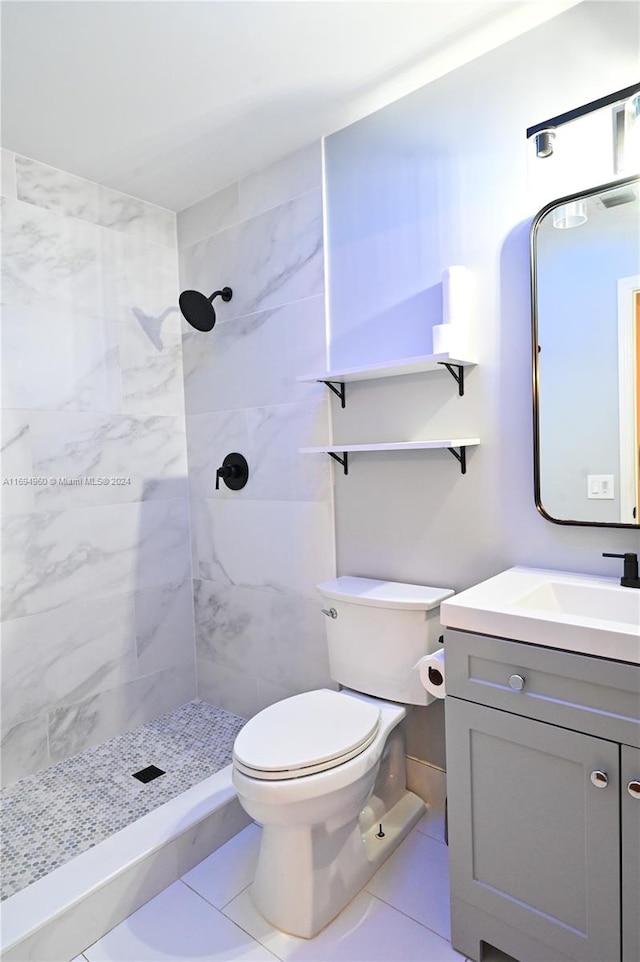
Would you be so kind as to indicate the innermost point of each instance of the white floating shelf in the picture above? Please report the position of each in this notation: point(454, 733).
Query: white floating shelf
point(406, 365)
point(335, 450)
point(391, 446)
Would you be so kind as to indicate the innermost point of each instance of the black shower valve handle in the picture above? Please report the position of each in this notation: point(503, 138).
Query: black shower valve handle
point(234, 471)
point(222, 472)
point(226, 471)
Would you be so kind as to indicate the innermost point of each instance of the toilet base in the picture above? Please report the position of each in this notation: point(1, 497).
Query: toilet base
point(306, 875)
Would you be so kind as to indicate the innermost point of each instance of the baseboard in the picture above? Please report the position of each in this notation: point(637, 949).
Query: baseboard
point(58, 916)
point(427, 782)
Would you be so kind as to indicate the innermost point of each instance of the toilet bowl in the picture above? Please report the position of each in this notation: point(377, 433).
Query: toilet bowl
point(320, 831)
point(323, 772)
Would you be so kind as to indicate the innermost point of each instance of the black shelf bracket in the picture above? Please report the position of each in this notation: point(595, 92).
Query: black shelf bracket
point(338, 389)
point(457, 373)
point(460, 456)
point(344, 460)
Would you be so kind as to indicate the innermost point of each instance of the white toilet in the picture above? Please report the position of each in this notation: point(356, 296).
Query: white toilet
point(322, 771)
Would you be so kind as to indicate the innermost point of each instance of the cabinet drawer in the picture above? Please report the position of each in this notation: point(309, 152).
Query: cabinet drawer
point(579, 692)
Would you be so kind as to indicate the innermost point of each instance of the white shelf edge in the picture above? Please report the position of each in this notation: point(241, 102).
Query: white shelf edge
point(405, 365)
point(391, 446)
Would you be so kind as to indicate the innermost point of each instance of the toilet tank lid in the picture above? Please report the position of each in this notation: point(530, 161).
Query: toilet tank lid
point(383, 594)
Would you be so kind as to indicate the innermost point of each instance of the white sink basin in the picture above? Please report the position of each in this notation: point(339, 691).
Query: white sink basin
point(557, 609)
point(604, 602)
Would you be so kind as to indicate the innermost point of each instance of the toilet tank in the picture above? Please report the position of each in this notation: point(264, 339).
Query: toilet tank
point(380, 631)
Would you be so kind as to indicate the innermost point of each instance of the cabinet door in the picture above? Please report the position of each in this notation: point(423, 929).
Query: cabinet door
point(532, 841)
point(630, 854)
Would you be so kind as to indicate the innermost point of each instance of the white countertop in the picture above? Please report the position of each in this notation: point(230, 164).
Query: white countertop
point(589, 614)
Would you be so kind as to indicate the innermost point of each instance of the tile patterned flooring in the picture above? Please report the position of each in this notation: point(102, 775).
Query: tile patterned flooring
point(402, 914)
point(52, 816)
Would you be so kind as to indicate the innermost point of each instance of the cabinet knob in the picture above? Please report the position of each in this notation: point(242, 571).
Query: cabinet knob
point(634, 789)
point(516, 682)
point(599, 779)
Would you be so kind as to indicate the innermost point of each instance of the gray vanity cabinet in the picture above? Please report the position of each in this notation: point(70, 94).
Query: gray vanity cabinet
point(544, 836)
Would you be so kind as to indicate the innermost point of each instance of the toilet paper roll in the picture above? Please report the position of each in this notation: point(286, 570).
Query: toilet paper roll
point(457, 294)
point(432, 677)
point(450, 340)
point(441, 339)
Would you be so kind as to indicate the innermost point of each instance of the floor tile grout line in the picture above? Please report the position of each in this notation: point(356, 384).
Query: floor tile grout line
point(423, 832)
point(426, 835)
point(228, 917)
point(219, 908)
point(407, 916)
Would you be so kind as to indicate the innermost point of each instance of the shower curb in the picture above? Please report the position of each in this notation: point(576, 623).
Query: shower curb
point(63, 913)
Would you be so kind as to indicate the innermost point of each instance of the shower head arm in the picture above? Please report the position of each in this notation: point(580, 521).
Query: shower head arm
point(226, 294)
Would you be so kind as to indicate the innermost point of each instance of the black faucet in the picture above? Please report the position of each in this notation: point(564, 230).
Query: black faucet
point(630, 578)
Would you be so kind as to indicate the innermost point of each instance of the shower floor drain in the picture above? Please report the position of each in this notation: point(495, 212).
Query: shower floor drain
point(148, 774)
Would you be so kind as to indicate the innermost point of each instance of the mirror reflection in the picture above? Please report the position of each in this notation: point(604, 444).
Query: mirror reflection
point(586, 344)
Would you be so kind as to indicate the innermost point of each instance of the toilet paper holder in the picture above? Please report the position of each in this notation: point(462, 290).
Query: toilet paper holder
point(435, 676)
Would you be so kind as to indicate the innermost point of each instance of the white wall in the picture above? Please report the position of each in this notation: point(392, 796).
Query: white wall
point(258, 553)
point(443, 177)
point(97, 616)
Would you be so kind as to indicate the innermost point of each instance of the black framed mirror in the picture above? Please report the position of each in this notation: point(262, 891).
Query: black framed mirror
point(585, 277)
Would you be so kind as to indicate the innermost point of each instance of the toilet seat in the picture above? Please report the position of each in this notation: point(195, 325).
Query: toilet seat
point(305, 734)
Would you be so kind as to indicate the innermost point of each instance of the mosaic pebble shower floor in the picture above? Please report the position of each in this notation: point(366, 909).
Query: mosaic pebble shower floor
point(52, 816)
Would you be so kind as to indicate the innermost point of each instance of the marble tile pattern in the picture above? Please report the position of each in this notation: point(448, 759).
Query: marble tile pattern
point(96, 560)
point(51, 558)
point(278, 546)
point(73, 196)
point(279, 637)
point(84, 724)
point(280, 343)
point(269, 437)
point(151, 371)
point(146, 453)
point(263, 190)
point(208, 216)
point(258, 553)
point(91, 712)
point(67, 655)
point(55, 262)
point(54, 360)
point(268, 260)
point(291, 177)
point(50, 817)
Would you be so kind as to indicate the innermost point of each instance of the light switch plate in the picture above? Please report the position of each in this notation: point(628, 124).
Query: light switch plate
point(600, 487)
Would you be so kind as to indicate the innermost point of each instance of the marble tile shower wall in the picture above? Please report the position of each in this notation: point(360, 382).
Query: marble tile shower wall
point(258, 553)
point(97, 603)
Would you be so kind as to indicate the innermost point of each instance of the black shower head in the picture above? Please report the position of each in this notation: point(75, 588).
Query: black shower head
point(198, 310)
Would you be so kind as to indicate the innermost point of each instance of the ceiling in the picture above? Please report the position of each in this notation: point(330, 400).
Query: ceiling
point(172, 100)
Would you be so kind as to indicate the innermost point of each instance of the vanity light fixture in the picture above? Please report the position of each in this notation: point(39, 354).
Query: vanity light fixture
point(626, 135)
point(570, 215)
point(545, 132)
point(544, 142)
